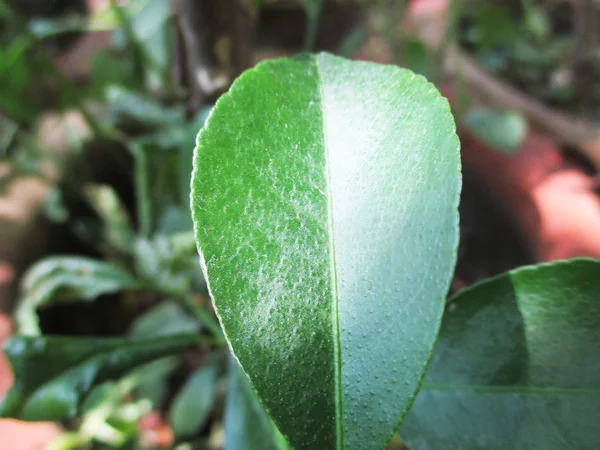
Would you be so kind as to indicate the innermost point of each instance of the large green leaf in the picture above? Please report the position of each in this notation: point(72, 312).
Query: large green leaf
point(517, 365)
point(54, 374)
point(325, 198)
point(68, 279)
point(247, 424)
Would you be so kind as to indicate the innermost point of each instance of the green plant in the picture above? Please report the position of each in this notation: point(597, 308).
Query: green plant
point(324, 200)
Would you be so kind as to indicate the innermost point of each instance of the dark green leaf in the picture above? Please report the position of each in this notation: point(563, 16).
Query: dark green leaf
point(503, 130)
point(67, 279)
point(152, 380)
point(247, 424)
point(164, 319)
point(194, 402)
point(517, 364)
point(54, 207)
point(54, 374)
point(325, 199)
point(132, 107)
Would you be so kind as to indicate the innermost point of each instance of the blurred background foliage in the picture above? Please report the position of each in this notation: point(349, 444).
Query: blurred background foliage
point(100, 103)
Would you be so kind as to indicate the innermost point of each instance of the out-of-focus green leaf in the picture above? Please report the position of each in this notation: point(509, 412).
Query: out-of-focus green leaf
point(324, 198)
point(169, 263)
point(537, 22)
point(107, 69)
point(247, 424)
point(128, 106)
point(17, 73)
point(164, 319)
point(54, 374)
point(490, 25)
point(151, 380)
point(118, 231)
point(175, 220)
point(517, 364)
point(150, 26)
point(194, 402)
point(53, 207)
point(352, 41)
point(502, 130)
point(68, 279)
point(8, 131)
point(416, 57)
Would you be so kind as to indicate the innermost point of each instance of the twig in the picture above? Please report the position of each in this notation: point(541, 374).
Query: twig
point(313, 10)
point(581, 134)
point(142, 189)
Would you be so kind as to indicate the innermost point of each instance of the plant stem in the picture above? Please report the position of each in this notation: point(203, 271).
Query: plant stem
point(137, 50)
point(142, 190)
point(313, 10)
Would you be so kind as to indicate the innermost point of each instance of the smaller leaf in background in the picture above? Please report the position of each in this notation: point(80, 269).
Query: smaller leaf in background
point(517, 364)
point(150, 27)
point(169, 263)
point(416, 57)
point(247, 424)
point(194, 401)
point(164, 319)
point(17, 74)
point(490, 26)
point(8, 131)
point(537, 22)
point(54, 374)
point(151, 380)
point(67, 279)
point(132, 107)
point(502, 130)
point(352, 42)
point(54, 208)
point(175, 219)
point(118, 231)
point(107, 69)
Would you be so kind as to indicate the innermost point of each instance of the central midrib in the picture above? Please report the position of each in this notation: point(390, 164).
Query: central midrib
point(337, 349)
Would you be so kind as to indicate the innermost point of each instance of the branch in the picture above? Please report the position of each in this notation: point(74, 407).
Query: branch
point(583, 135)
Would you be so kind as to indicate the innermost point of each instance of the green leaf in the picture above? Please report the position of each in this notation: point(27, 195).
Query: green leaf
point(325, 199)
point(164, 319)
point(517, 364)
point(131, 107)
point(67, 279)
point(194, 402)
point(247, 424)
point(54, 374)
point(118, 231)
point(503, 130)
